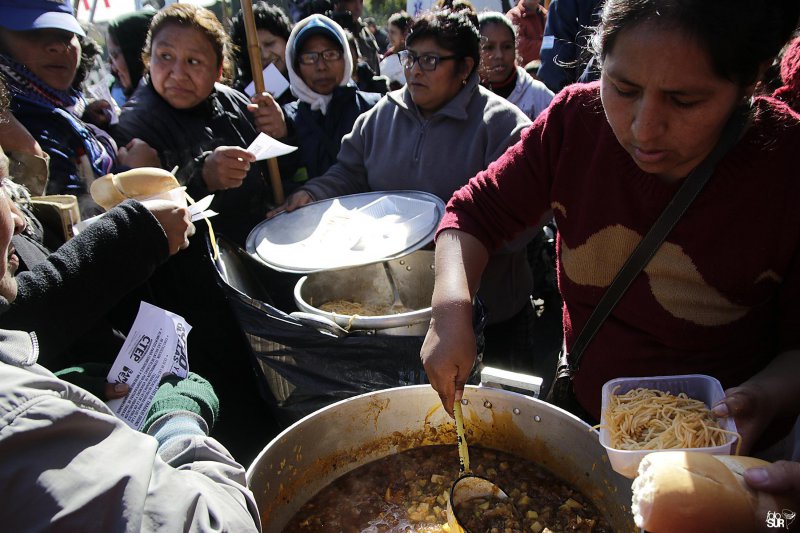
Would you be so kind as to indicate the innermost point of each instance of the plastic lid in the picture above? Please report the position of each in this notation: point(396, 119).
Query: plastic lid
point(347, 231)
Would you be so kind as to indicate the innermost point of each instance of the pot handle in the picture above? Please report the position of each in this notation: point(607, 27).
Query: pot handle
point(320, 323)
point(497, 378)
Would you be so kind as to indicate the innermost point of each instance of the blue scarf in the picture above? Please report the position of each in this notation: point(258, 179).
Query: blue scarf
point(27, 88)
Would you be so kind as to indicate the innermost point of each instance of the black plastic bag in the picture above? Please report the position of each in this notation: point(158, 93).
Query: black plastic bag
point(301, 368)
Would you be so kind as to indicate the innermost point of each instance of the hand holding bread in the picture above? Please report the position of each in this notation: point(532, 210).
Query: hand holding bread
point(175, 220)
point(143, 184)
point(692, 491)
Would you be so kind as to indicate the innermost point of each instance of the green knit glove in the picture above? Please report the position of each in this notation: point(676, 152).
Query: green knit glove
point(193, 394)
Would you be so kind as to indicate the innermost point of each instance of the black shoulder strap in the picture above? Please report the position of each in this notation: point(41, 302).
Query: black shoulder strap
point(647, 247)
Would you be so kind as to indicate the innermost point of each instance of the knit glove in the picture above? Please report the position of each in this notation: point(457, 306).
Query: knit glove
point(88, 376)
point(193, 394)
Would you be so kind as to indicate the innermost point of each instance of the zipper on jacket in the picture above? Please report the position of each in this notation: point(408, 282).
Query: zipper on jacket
point(420, 139)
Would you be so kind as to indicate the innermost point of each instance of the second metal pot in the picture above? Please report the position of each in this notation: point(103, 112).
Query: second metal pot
point(413, 275)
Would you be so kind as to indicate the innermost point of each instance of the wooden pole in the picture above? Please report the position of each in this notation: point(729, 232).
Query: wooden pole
point(254, 52)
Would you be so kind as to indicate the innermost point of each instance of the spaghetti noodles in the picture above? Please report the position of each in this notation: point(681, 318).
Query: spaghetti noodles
point(646, 419)
point(349, 307)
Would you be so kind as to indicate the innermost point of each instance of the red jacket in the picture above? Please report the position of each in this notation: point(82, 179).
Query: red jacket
point(530, 29)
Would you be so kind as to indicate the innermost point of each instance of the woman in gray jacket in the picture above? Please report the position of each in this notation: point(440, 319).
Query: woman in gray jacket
point(433, 135)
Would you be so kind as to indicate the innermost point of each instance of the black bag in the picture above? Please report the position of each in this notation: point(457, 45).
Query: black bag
point(562, 392)
point(301, 368)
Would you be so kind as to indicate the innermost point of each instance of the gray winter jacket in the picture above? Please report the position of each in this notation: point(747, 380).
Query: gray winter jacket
point(69, 464)
point(530, 95)
point(393, 147)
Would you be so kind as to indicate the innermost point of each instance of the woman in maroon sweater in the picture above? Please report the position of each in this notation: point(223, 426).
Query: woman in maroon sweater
point(721, 295)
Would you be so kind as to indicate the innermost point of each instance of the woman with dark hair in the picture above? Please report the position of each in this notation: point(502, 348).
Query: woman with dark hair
point(719, 297)
point(273, 28)
point(203, 127)
point(432, 135)
point(499, 70)
point(126, 37)
point(398, 24)
point(195, 123)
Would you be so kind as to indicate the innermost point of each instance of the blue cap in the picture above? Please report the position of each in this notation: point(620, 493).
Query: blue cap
point(25, 15)
point(318, 25)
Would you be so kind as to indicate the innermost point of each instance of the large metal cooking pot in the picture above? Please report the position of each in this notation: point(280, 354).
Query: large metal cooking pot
point(325, 445)
point(413, 275)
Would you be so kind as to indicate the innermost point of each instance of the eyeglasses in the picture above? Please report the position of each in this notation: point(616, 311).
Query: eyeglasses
point(427, 62)
point(311, 58)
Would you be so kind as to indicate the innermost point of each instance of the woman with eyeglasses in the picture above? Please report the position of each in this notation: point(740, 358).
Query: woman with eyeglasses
point(328, 102)
point(432, 135)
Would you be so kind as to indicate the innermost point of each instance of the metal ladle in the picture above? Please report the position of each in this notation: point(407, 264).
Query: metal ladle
point(468, 486)
point(396, 301)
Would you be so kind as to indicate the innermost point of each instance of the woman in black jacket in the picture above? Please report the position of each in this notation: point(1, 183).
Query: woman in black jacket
point(195, 123)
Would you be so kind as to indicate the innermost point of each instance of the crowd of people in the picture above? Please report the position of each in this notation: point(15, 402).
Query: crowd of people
point(496, 114)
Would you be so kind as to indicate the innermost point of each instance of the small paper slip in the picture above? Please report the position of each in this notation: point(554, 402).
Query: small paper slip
point(274, 82)
point(199, 210)
point(101, 91)
point(265, 147)
point(155, 347)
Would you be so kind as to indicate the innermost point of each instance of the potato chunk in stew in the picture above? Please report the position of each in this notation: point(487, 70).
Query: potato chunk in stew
point(490, 514)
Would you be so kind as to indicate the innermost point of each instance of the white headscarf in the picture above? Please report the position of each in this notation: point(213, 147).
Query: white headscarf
point(298, 86)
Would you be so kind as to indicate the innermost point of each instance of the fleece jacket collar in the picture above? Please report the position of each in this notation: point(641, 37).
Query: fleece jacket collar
point(455, 108)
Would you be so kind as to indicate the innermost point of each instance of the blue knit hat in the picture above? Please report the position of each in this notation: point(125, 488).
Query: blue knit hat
point(316, 26)
point(24, 15)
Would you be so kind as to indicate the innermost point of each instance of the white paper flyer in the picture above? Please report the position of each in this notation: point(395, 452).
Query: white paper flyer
point(274, 82)
point(155, 347)
point(265, 147)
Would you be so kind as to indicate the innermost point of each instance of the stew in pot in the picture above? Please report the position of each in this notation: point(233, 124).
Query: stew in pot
point(408, 492)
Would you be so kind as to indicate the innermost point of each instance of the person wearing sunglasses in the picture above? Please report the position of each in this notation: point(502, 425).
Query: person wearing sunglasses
point(431, 135)
point(328, 102)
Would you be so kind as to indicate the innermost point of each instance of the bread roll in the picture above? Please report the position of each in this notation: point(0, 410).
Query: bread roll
point(138, 183)
point(692, 491)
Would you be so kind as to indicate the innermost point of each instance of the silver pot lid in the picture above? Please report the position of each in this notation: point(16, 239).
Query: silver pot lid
point(347, 231)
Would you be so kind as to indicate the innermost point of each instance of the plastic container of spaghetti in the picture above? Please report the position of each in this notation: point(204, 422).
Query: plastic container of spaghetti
point(697, 386)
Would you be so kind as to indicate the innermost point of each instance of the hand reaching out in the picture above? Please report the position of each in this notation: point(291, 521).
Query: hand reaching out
point(137, 154)
point(751, 410)
point(298, 199)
